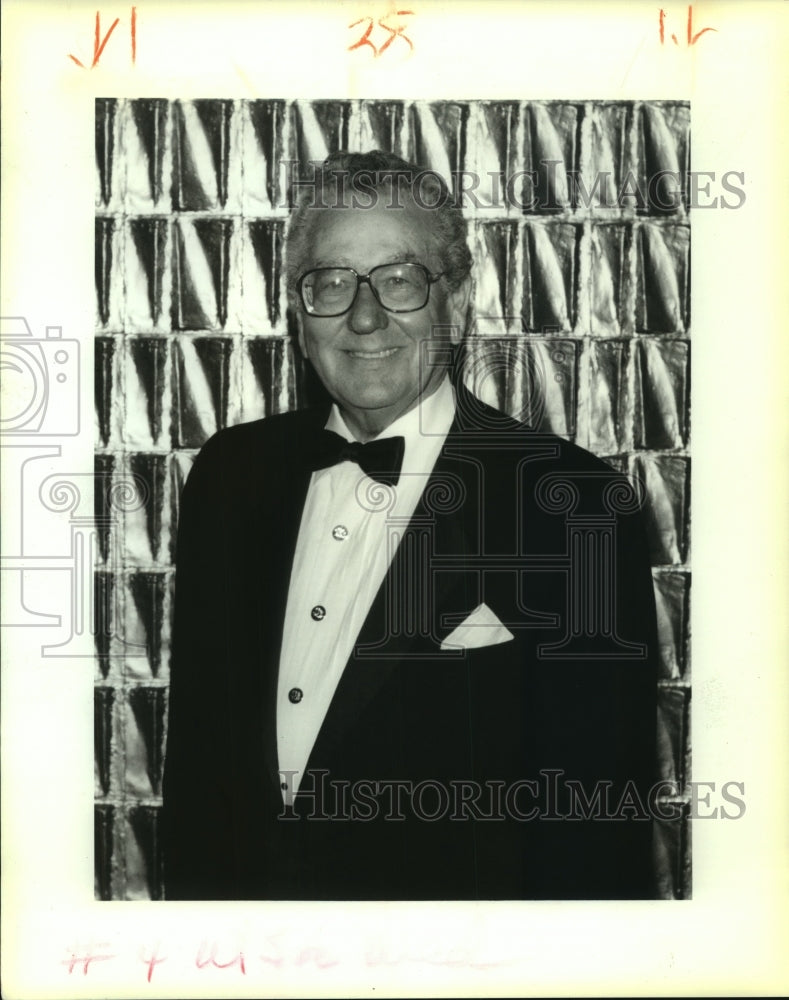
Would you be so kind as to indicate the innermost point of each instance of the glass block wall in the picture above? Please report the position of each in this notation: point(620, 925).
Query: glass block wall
point(582, 271)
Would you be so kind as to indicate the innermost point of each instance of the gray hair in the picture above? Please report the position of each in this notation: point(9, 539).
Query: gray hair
point(345, 177)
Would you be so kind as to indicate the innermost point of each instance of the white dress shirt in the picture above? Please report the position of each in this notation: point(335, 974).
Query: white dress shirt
point(339, 564)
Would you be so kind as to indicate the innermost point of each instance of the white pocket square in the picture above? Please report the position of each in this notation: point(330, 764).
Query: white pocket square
point(481, 628)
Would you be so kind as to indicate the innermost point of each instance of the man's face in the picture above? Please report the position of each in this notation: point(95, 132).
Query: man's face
point(369, 359)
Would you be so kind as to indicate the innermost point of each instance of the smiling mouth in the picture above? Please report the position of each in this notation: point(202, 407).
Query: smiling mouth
point(373, 355)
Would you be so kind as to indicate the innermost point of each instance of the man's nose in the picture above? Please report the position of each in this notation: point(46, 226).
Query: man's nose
point(367, 314)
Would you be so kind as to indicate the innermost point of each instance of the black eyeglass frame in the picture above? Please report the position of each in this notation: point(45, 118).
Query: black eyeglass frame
point(361, 279)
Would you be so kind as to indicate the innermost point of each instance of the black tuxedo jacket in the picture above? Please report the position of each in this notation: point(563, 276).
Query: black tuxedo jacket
point(518, 770)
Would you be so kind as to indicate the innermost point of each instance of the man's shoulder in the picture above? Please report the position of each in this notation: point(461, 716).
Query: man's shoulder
point(281, 429)
point(552, 476)
point(507, 439)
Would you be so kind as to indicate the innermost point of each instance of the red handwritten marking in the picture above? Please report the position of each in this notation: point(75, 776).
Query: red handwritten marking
point(201, 961)
point(98, 51)
point(100, 43)
point(314, 954)
point(87, 956)
point(317, 956)
point(152, 960)
point(364, 40)
point(394, 32)
point(691, 38)
point(275, 960)
point(377, 955)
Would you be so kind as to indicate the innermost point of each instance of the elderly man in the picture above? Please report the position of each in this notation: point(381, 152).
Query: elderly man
point(414, 638)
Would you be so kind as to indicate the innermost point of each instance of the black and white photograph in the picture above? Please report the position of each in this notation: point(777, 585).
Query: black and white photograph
point(434, 672)
point(393, 524)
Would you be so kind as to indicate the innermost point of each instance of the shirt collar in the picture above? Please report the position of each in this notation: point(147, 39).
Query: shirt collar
point(430, 418)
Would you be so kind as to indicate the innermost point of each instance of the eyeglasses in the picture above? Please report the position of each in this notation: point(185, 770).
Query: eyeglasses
point(399, 288)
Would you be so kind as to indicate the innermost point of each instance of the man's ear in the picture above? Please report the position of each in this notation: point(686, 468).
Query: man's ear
point(457, 306)
point(300, 332)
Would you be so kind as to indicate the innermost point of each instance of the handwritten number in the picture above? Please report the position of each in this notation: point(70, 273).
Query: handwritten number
point(365, 39)
point(394, 32)
point(691, 38)
point(100, 43)
point(152, 960)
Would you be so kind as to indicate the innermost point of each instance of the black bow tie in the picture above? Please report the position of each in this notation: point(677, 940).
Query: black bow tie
point(380, 459)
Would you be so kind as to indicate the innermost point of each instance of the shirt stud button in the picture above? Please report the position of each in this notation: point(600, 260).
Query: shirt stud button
point(339, 533)
point(295, 695)
point(318, 613)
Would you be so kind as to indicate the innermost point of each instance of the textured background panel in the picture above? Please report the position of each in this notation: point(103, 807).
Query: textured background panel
point(673, 721)
point(383, 126)
point(148, 286)
point(666, 478)
point(106, 378)
point(549, 277)
point(610, 153)
point(110, 279)
point(672, 851)
point(103, 728)
point(551, 152)
point(663, 265)
point(103, 845)
point(147, 608)
point(147, 374)
point(493, 148)
point(611, 284)
point(661, 393)
point(143, 853)
point(581, 325)
point(149, 157)
point(662, 157)
point(104, 591)
point(106, 186)
point(532, 379)
point(264, 303)
point(263, 150)
point(607, 395)
point(494, 246)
